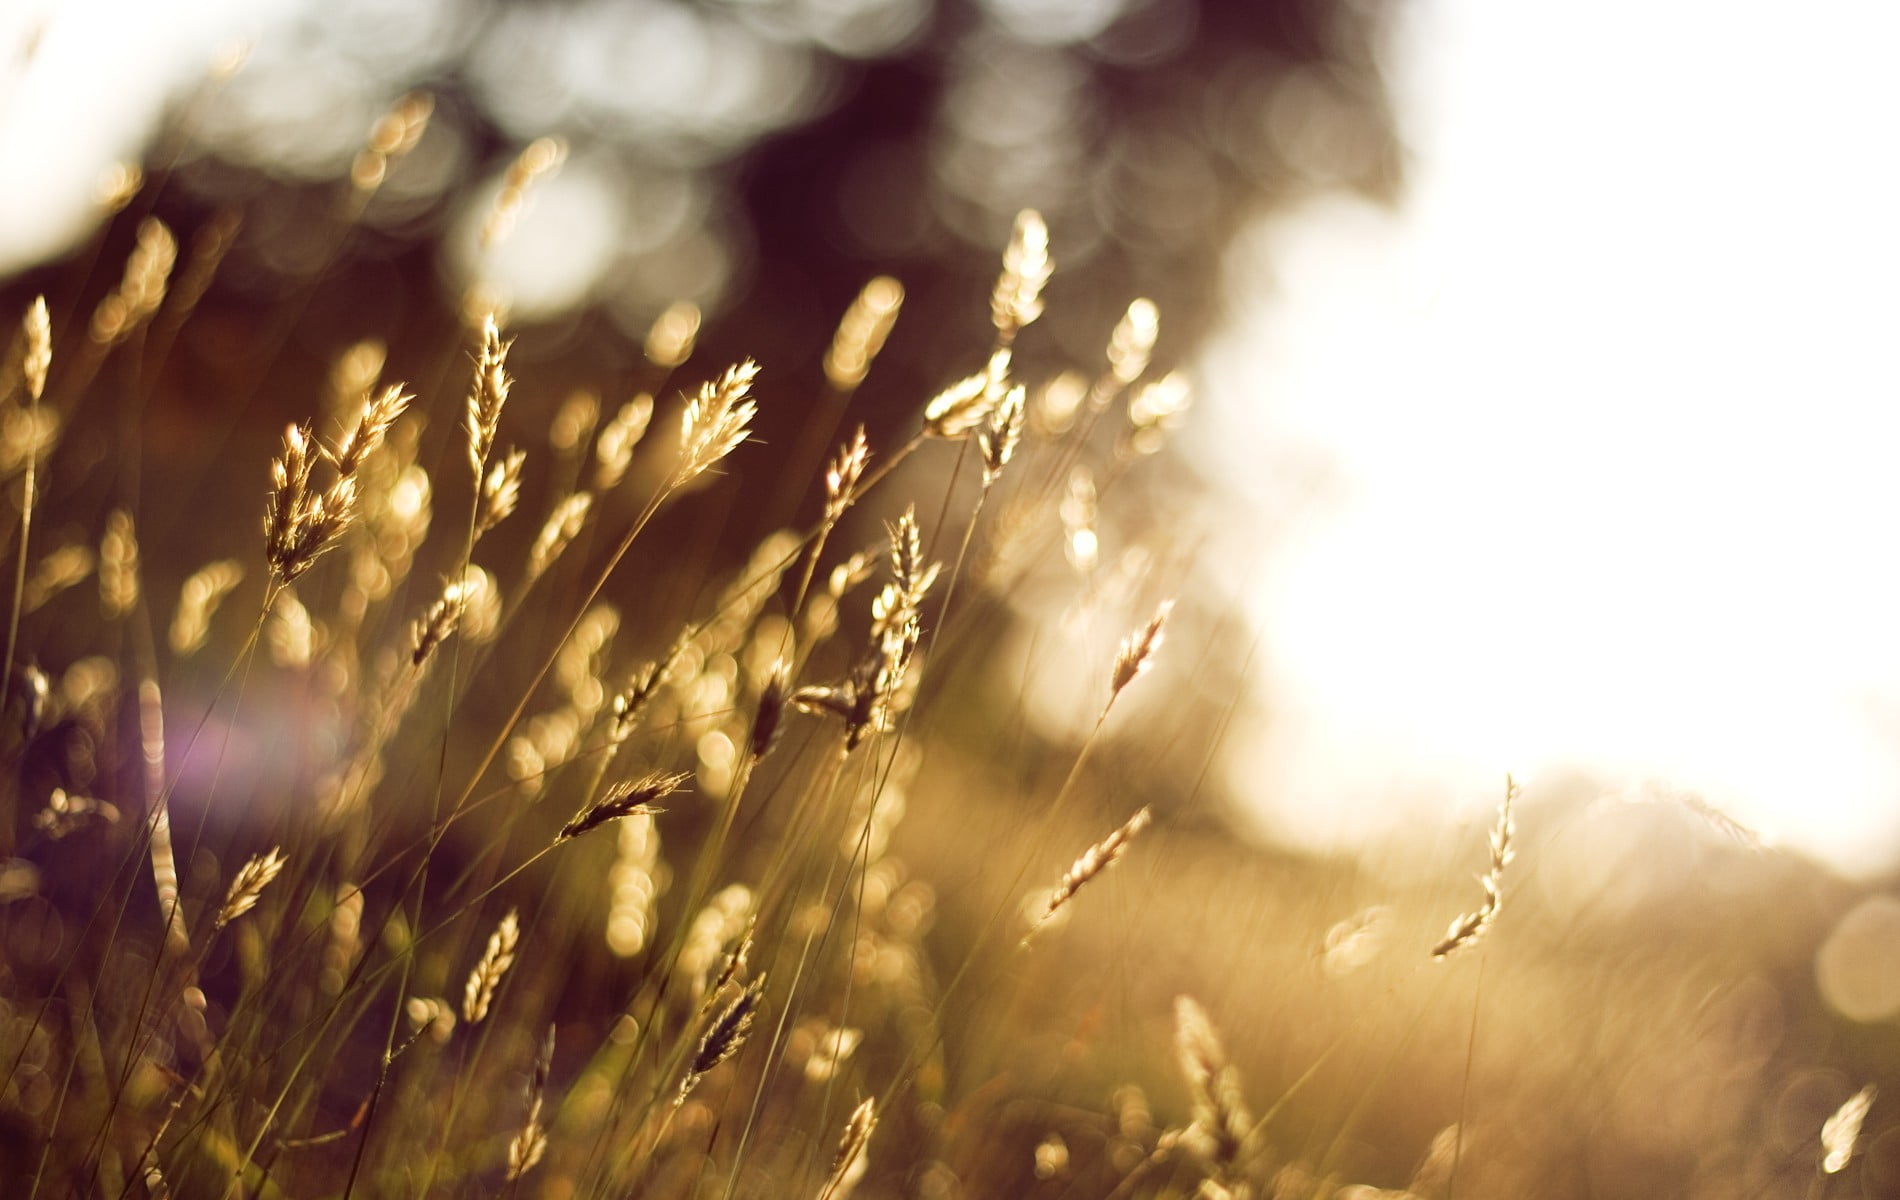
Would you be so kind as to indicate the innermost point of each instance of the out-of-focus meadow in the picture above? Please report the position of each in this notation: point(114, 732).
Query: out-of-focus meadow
point(1045, 735)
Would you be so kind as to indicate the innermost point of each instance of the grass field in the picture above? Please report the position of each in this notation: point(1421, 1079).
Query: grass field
point(485, 788)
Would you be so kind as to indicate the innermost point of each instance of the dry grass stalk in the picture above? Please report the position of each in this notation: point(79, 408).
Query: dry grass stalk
point(573, 422)
point(958, 408)
point(561, 528)
point(486, 396)
point(440, 622)
point(1017, 300)
point(248, 884)
point(394, 135)
point(1133, 341)
point(716, 421)
point(1469, 927)
point(998, 439)
point(725, 921)
point(345, 941)
point(1138, 651)
point(669, 340)
point(371, 428)
point(1842, 1130)
point(213, 241)
point(62, 569)
point(164, 864)
point(849, 1164)
point(967, 404)
point(613, 449)
point(301, 523)
point(479, 992)
point(37, 329)
point(198, 600)
point(862, 332)
point(501, 492)
point(842, 474)
point(624, 800)
point(118, 565)
point(633, 885)
point(537, 159)
point(734, 964)
point(1220, 1117)
point(723, 1036)
point(66, 813)
point(290, 633)
point(1154, 412)
point(526, 1148)
point(771, 712)
point(353, 374)
point(430, 1015)
point(142, 289)
point(1081, 545)
point(1093, 861)
point(864, 698)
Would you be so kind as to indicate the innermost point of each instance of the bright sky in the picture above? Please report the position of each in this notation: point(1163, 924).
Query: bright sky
point(1611, 404)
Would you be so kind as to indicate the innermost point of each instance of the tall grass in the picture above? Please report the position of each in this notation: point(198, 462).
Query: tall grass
point(564, 896)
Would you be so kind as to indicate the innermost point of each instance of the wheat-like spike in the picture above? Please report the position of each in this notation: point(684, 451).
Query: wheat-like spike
point(723, 1036)
point(116, 185)
point(624, 800)
point(63, 568)
point(501, 492)
point(848, 1165)
point(772, 700)
point(1133, 341)
point(716, 420)
point(1138, 651)
point(479, 992)
point(958, 408)
point(1469, 927)
point(290, 486)
point(733, 965)
point(669, 340)
point(1093, 861)
point(37, 328)
point(290, 631)
point(574, 422)
point(164, 863)
point(394, 135)
point(1221, 1120)
point(562, 527)
point(998, 439)
point(527, 1147)
point(353, 375)
point(119, 565)
point(1154, 412)
point(248, 884)
point(536, 159)
point(862, 332)
point(198, 600)
point(142, 289)
point(300, 524)
point(379, 413)
point(440, 622)
point(486, 396)
point(842, 474)
point(613, 449)
point(1017, 300)
point(1842, 1130)
point(908, 572)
